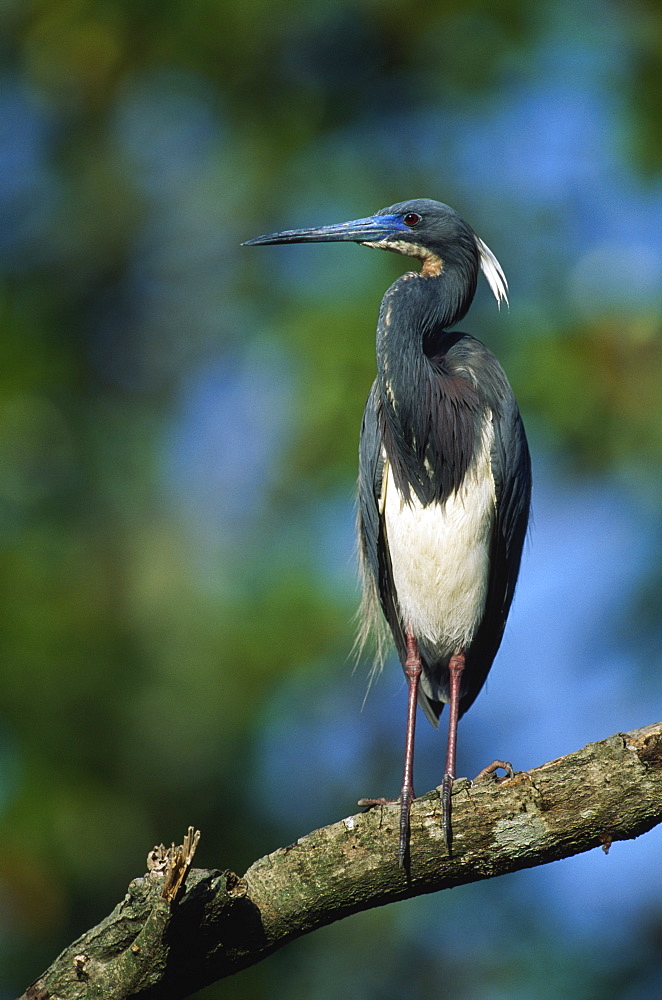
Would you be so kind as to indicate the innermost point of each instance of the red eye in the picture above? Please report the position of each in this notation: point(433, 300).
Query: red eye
point(411, 219)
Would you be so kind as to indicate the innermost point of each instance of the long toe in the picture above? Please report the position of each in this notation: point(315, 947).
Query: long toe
point(376, 802)
point(496, 765)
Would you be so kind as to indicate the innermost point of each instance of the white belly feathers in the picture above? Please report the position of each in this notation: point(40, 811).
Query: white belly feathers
point(440, 554)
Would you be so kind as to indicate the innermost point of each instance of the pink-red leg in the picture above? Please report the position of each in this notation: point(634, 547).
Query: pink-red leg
point(455, 669)
point(413, 674)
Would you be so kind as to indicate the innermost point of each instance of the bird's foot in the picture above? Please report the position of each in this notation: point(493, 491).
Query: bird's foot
point(496, 765)
point(445, 794)
point(376, 802)
point(405, 799)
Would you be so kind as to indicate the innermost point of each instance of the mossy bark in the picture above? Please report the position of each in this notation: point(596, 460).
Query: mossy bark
point(178, 929)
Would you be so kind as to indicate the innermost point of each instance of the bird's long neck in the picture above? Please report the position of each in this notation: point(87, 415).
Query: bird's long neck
point(414, 310)
point(414, 395)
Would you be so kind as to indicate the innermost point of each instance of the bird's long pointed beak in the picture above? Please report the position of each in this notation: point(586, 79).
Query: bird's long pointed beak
point(377, 227)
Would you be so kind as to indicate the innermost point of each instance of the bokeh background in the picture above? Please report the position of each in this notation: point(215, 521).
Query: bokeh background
point(179, 420)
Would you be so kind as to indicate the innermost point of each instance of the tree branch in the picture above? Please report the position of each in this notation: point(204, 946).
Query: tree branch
point(179, 929)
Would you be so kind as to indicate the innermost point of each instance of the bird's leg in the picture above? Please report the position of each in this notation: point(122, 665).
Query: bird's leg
point(455, 668)
point(412, 673)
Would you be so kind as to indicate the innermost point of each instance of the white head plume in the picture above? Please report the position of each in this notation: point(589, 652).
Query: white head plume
point(493, 271)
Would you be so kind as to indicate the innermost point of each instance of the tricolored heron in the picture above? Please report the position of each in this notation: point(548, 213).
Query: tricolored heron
point(444, 473)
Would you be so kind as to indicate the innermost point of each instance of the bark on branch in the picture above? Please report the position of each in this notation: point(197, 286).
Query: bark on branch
point(179, 929)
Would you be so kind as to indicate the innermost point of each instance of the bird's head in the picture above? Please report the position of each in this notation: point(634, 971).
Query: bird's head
point(422, 228)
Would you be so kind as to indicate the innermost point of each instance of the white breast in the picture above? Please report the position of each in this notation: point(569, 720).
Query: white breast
point(440, 554)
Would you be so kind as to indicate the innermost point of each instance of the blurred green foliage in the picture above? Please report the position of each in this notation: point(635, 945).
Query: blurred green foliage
point(178, 416)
